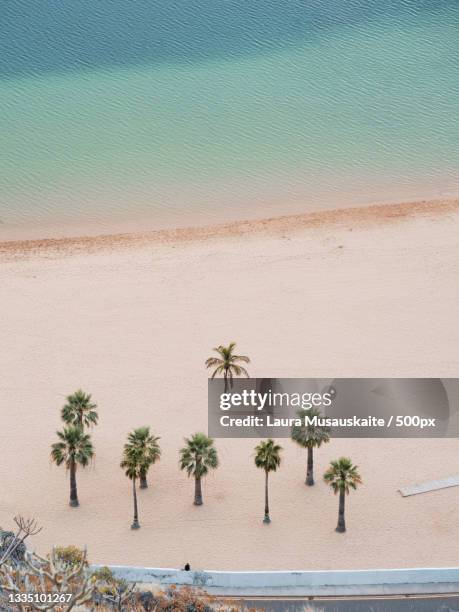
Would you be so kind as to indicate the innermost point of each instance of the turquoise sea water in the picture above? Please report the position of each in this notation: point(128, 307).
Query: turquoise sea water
point(176, 112)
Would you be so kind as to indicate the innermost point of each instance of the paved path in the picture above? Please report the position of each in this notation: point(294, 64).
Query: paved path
point(406, 604)
point(431, 485)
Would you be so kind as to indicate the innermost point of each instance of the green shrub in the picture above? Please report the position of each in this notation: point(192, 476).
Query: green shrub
point(71, 556)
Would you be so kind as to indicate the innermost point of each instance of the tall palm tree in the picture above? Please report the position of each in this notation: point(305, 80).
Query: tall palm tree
point(267, 458)
point(227, 363)
point(342, 476)
point(73, 449)
point(131, 462)
point(80, 410)
point(310, 437)
point(151, 452)
point(198, 457)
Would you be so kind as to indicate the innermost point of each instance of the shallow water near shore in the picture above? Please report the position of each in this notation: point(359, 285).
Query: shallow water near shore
point(222, 110)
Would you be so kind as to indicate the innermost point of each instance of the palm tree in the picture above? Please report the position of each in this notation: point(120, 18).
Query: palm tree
point(80, 410)
point(73, 449)
point(267, 458)
point(132, 464)
point(227, 363)
point(310, 437)
point(342, 476)
point(151, 452)
point(197, 457)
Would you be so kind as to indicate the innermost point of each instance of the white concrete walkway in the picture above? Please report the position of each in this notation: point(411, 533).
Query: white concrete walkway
point(300, 583)
point(431, 485)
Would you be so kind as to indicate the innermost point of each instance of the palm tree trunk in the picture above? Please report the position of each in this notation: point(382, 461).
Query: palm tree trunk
point(143, 479)
point(266, 519)
point(225, 378)
point(341, 527)
point(73, 485)
point(135, 522)
point(197, 492)
point(310, 468)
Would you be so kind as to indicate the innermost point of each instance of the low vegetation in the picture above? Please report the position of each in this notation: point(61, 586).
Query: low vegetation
point(64, 581)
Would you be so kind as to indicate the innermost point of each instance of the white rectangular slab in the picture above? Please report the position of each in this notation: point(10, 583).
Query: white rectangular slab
point(431, 485)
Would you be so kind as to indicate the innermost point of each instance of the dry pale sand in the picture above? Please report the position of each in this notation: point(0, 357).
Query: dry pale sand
point(133, 325)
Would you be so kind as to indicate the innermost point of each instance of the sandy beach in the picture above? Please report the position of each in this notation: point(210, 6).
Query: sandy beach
point(131, 318)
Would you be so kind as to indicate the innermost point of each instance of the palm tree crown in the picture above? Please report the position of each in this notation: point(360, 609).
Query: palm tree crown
point(198, 456)
point(151, 452)
point(132, 461)
point(342, 475)
point(80, 410)
point(142, 438)
point(267, 455)
point(310, 436)
point(73, 446)
point(227, 363)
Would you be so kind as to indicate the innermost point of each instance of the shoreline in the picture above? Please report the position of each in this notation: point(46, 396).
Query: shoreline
point(360, 216)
